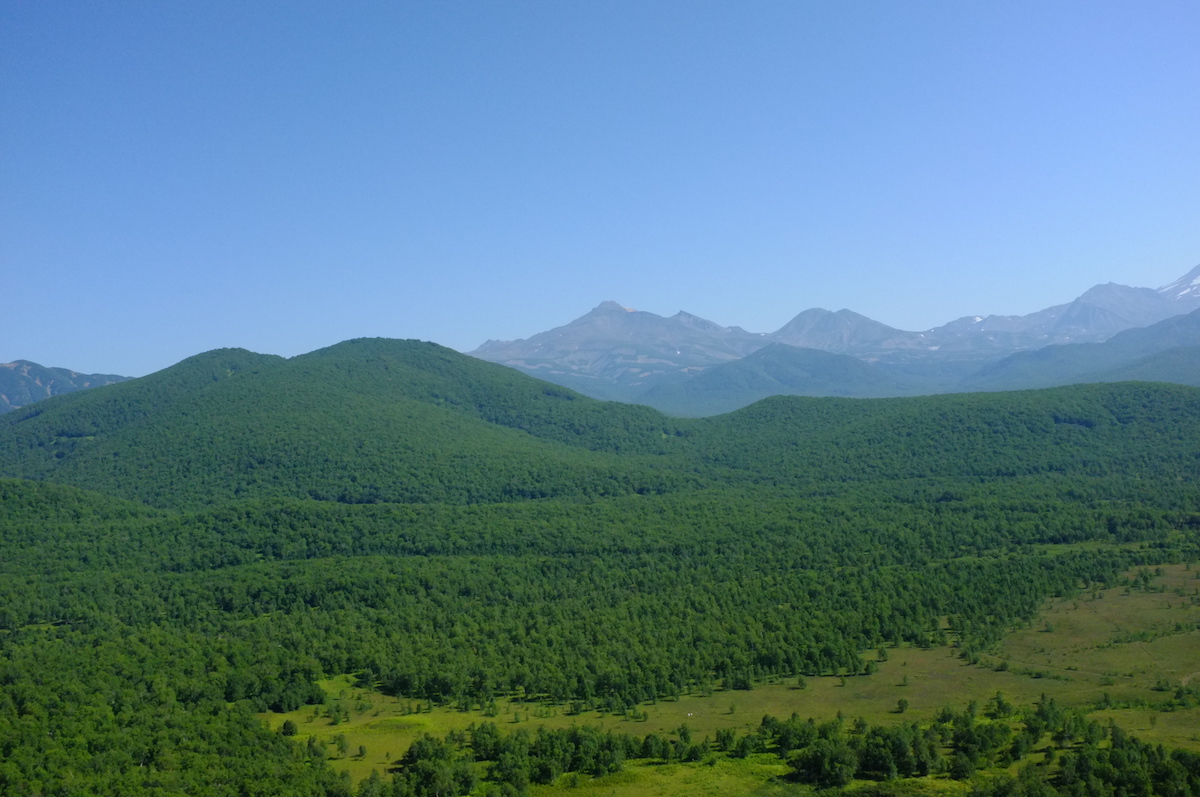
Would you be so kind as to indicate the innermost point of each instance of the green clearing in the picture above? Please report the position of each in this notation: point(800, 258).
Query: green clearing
point(1125, 641)
point(1127, 638)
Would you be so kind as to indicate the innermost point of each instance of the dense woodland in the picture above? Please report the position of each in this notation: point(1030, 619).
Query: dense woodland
point(181, 551)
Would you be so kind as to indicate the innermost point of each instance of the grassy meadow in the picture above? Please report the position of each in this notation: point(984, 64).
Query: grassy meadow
point(1130, 642)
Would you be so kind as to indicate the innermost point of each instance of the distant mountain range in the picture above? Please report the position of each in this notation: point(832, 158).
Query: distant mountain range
point(23, 382)
point(686, 365)
point(774, 370)
point(1154, 353)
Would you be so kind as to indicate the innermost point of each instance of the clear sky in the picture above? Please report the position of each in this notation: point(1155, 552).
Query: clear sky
point(180, 176)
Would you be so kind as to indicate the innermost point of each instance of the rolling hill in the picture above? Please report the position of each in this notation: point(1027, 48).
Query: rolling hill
point(364, 421)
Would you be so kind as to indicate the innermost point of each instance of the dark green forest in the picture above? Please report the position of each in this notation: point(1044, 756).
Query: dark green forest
point(181, 551)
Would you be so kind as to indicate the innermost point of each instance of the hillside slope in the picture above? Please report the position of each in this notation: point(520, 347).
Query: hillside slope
point(1129, 428)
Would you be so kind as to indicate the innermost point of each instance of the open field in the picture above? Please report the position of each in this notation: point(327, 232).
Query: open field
point(1123, 641)
point(1126, 639)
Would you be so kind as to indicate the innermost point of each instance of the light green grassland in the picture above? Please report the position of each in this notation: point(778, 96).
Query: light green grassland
point(1127, 639)
point(1119, 641)
point(1130, 643)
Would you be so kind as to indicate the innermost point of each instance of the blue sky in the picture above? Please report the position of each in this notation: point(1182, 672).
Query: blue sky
point(176, 177)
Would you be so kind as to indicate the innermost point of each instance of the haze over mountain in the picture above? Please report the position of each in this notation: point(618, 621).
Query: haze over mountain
point(616, 353)
point(23, 382)
point(626, 347)
point(775, 370)
point(687, 365)
point(1134, 351)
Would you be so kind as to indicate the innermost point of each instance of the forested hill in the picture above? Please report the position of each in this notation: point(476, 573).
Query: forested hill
point(370, 421)
point(1136, 429)
point(360, 422)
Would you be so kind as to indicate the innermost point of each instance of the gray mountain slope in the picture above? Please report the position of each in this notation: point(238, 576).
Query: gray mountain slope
point(627, 347)
point(1180, 365)
point(843, 332)
point(777, 369)
point(1099, 313)
point(1185, 290)
point(23, 382)
point(1071, 363)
